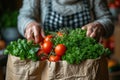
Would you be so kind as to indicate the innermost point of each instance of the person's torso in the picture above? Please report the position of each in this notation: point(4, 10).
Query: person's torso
point(57, 14)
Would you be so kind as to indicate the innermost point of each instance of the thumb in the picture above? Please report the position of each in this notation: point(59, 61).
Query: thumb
point(84, 28)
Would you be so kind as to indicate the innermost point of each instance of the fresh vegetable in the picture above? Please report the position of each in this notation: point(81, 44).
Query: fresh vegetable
point(80, 47)
point(42, 56)
point(60, 49)
point(40, 51)
point(23, 49)
point(54, 58)
point(48, 38)
point(72, 47)
point(47, 46)
point(59, 34)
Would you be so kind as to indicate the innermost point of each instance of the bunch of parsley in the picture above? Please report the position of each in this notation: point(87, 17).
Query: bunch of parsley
point(23, 49)
point(80, 47)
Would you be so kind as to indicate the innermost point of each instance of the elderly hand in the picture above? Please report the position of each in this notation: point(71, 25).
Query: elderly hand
point(34, 32)
point(94, 30)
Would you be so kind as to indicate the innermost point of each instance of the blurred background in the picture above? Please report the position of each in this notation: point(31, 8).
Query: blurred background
point(8, 32)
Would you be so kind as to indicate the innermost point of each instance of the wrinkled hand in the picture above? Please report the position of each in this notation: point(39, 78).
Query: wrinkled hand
point(94, 30)
point(34, 32)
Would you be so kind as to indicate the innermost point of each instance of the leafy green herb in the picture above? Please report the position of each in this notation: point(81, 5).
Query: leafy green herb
point(80, 47)
point(23, 49)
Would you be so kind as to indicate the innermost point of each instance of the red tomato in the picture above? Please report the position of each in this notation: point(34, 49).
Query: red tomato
point(60, 49)
point(59, 34)
point(112, 5)
point(105, 43)
point(39, 52)
point(47, 46)
point(48, 38)
point(117, 3)
point(41, 38)
point(54, 58)
point(43, 58)
point(111, 45)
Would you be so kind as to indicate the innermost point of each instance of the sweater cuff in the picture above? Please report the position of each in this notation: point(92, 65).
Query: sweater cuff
point(23, 26)
point(108, 27)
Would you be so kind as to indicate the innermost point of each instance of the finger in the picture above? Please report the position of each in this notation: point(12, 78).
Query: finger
point(36, 34)
point(25, 35)
point(42, 33)
point(100, 39)
point(89, 30)
point(30, 37)
point(37, 38)
point(29, 34)
point(94, 32)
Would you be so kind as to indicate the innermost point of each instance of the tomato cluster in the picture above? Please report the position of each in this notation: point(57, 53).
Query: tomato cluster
point(114, 4)
point(109, 43)
point(49, 51)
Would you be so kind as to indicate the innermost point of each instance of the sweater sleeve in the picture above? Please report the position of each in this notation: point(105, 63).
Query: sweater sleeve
point(103, 16)
point(28, 13)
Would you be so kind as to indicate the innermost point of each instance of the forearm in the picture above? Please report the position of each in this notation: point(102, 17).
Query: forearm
point(103, 16)
point(29, 12)
point(107, 25)
point(22, 24)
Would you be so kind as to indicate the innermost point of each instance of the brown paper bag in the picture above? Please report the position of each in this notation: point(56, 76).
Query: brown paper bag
point(91, 69)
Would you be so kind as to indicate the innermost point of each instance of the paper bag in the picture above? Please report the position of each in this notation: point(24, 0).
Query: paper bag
point(91, 69)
